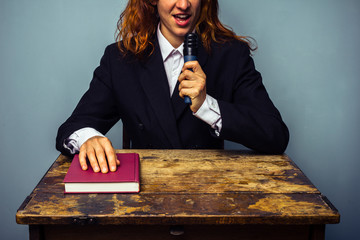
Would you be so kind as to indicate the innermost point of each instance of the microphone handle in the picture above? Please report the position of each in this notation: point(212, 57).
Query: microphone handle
point(188, 58)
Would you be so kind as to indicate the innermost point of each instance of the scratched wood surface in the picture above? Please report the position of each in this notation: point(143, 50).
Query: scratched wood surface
point(188, 187)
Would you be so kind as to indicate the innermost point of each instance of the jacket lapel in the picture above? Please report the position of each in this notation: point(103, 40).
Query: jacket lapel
point(177, 102)
point(156, 87)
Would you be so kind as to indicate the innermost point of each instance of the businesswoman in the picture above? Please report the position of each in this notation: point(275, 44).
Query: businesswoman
point(142, 80)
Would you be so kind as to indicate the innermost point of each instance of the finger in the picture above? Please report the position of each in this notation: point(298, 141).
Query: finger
point(82, 159)
point(187, 92)
point(191, 65)
point(187, 87)
point(187, 75)
point(101, 158)
point(93, 160)
point(183, 76)
point(111, 157)
point(187, 84)
point(196, 86)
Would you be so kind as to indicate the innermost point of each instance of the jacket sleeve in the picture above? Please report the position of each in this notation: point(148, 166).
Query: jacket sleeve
point(96, 109)
point(248, 116)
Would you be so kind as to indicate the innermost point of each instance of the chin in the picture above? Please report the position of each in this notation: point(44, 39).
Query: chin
point(183, 32)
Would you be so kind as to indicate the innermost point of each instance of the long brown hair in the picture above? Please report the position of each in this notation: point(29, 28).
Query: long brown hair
point(138, 23)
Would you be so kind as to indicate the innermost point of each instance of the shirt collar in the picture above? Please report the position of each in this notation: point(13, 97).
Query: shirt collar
point(165, 47)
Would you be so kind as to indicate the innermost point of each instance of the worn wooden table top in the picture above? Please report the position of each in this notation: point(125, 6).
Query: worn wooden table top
point(188, 187)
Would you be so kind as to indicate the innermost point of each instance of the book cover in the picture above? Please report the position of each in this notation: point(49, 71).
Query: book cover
point(124, 180)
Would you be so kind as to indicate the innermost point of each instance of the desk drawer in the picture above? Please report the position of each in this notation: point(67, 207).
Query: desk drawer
point(187, 232)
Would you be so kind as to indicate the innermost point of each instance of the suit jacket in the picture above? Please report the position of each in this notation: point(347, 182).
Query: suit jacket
point(137, 92)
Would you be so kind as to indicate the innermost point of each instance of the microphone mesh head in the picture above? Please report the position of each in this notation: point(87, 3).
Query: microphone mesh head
point(190, 44)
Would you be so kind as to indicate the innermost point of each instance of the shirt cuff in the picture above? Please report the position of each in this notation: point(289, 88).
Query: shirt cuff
point(209, 112)
point(75, 140)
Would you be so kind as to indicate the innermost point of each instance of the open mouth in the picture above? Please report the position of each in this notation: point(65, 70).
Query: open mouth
point(182, 17)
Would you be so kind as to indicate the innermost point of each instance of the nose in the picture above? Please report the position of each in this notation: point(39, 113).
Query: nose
point(183, 4)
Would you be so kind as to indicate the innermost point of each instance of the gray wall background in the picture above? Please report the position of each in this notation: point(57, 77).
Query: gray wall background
point(308, 55)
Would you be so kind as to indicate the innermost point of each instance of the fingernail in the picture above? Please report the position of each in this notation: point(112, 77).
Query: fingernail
point(96, 169)
point(83, 167)
point(104, 170)
point(113, 169)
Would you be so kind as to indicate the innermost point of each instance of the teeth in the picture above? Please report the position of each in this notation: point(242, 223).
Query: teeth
point(182, 16)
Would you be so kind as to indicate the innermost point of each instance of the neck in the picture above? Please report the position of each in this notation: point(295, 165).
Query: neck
point(175, 41)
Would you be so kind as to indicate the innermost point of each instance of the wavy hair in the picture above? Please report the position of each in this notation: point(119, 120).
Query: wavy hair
point(138, 23)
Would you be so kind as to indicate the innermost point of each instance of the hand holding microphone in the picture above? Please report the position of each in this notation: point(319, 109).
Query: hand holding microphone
point(192, 79)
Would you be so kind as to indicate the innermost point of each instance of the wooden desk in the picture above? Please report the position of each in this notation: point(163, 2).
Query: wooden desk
point(205, 194)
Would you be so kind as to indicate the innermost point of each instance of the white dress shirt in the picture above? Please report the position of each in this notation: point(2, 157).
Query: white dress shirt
point(173, 58)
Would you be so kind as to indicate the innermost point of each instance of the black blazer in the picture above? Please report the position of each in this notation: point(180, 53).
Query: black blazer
point(137, 92)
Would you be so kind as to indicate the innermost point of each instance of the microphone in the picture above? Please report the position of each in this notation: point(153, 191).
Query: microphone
point(190, 53)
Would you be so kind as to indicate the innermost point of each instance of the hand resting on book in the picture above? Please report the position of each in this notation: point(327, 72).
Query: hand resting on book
point(100, 153)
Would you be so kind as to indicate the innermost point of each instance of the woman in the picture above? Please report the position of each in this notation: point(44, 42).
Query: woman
point(142, 81)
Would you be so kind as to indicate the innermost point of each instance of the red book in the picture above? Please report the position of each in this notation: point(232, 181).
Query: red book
point(124, 180)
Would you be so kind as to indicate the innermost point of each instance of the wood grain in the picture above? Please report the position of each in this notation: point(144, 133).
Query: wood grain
point(188, 187)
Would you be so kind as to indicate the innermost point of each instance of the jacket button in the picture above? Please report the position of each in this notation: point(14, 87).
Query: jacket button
point(141, 126)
